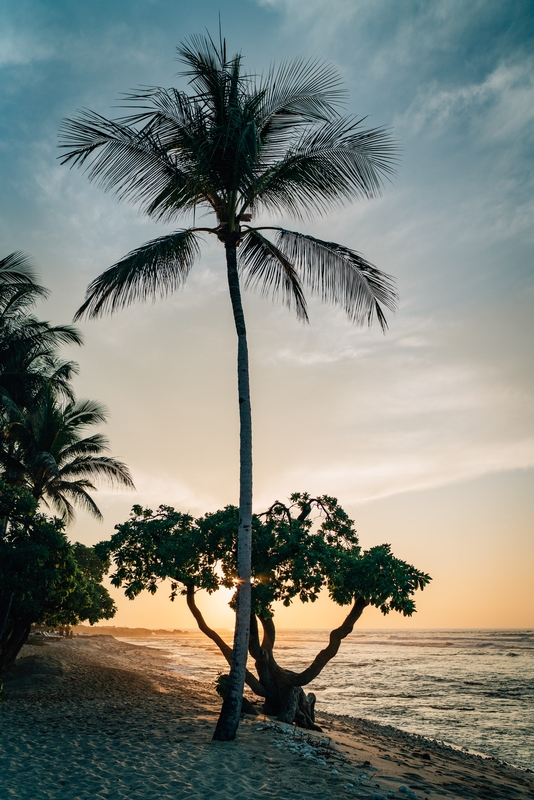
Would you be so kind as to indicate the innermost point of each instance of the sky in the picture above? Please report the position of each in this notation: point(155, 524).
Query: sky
point(425, 434)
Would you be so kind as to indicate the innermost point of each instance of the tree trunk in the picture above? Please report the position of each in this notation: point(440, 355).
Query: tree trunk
point(294, 705)
point(284, 696)
point(225, 649)
point(229, 718)
point(4, 614)
point(281, 688)
point(283, 700)
point(15, 636)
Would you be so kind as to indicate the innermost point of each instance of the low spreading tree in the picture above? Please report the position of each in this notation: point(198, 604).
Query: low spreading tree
point(43, 577)
point(298, 550)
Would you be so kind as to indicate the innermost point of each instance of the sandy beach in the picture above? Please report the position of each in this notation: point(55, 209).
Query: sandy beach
point(94, 717)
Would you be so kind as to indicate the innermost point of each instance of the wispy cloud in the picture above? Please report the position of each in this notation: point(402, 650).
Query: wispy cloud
point(19, 48)
point(499, 107)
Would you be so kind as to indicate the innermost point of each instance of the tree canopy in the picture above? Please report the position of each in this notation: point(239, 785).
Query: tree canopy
point(298, 550)
point(238, 145)
point(46, 456)
point(43, 577)
point(52, 456)
point(29, 359)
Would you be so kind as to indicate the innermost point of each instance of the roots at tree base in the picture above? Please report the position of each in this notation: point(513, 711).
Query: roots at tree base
point(297, 707)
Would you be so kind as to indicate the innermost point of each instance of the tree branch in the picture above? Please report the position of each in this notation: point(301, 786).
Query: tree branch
point(269, 634)
point(329, 652)
point(261, 658)
point(225, 649)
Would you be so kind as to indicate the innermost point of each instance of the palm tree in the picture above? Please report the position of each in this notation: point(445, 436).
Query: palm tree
point(52, 459)
point(28, 346)
point(16, 273)
point(29, 363)
point(236, 146)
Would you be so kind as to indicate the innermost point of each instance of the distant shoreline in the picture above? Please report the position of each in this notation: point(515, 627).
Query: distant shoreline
point(127, 632)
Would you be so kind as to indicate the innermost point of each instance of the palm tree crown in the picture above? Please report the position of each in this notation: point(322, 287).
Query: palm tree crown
point(238, 146)
point(28, 346)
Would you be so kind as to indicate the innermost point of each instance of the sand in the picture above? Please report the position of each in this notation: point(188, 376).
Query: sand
point(97, 718)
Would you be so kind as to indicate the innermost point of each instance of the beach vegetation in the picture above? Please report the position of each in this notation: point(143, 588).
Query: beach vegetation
point(44, 579)
point(45, 457)
point(238, 146)
point(299, 549)
point(29, 347)
point(51, 455)
point(43, 444)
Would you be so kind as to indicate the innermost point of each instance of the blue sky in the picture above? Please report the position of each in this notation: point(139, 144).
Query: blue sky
point(442, 406)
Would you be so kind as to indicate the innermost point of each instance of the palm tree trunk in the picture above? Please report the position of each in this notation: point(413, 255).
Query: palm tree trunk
point(231, 708)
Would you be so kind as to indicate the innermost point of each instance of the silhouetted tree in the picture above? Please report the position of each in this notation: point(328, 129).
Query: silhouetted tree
point(236, 146)
point(54, 460)
point(292, 557)
point(42, 446)
point(43, 578)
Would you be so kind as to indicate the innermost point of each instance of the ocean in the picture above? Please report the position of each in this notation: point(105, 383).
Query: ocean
point(473, 689)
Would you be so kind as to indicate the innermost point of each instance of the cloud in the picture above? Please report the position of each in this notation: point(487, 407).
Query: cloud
point(153, 490)
point(440, 399)
point(19, 48)
point(500, 107)
point(404, 467)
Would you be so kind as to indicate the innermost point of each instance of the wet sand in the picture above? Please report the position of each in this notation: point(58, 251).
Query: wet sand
point(97, 718)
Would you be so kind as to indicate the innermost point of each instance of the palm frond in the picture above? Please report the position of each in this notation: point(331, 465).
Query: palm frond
point(211, 73)
point(61, 376)
point(156, 106)
point(129, 162)
point(19, 289)
point(57, 497)
point(16, 298)
point(84, 412)
point(156, 268)
point(17, 267)
point(115, 472)
point(265, 266)
point(95, 444)
point(28, 340)
point(334, 162)
point(301, 90)
point(52, 336)
point(15, 414)
point(45, 463)
point(341, 276)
